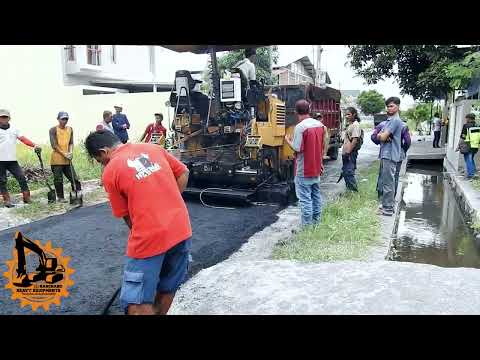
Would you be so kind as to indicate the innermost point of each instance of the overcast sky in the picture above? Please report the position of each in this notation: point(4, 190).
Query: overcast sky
point(333, 61)
point(334, 58)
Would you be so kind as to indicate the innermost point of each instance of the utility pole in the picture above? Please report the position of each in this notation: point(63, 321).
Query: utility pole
point(152, 66)
point(318, 71)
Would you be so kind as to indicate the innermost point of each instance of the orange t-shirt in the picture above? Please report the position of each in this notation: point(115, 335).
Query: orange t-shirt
point(140, 180)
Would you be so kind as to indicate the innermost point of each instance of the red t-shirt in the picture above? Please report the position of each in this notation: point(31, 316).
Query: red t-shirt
point(154, 128)
point(140, 180)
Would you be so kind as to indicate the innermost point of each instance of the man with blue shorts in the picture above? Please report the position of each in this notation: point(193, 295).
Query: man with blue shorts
point(144, 184)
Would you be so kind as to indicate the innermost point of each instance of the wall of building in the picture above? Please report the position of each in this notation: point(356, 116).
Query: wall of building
point(32, 89)
point(131, 63)
point(458, 110)
point(86, 111)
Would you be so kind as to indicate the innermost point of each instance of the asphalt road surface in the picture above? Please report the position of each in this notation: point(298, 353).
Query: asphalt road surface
point(96, 243)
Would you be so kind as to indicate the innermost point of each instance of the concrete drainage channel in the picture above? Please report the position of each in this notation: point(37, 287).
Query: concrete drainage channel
point(431, 225)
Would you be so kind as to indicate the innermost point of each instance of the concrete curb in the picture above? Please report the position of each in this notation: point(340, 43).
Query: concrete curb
point(389, 225)
point(467, 197)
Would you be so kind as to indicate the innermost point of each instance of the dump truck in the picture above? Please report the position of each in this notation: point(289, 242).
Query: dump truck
point(323, 100)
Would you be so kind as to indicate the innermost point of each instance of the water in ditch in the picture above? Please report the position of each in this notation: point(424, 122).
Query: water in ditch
point(431, 228)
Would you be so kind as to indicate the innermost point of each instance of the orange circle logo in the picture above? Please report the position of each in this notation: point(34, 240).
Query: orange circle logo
point(44, 285)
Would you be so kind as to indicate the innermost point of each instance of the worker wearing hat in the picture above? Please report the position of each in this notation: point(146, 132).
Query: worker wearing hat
point(61, 140)
point(8, 158)
point(120, 124)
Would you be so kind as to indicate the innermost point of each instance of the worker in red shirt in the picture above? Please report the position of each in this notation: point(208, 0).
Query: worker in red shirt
point(155, 133)
point(144, 184)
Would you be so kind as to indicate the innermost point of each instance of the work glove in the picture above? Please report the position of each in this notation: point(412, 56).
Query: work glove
point(124, 126)
point(37, 149)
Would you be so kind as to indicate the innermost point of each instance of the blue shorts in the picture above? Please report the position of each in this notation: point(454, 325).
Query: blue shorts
point(164, 273)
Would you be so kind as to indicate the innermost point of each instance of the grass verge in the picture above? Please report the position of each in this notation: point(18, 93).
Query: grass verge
point(476, 184)
point(348, 227)
point(39, 208)
point(85, 168)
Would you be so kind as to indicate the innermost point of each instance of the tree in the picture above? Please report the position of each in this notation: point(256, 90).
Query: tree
point(371, 102)
point(266, 57)
point(417, 114)
point(461, 72)
point(421, 71)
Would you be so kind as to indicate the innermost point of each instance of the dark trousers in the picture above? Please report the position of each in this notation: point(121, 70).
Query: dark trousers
point(58, 172)
point(16, 171)
point(349, 162)
point(436, 139)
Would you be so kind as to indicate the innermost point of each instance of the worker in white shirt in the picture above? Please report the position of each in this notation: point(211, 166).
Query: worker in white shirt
point(247, 65)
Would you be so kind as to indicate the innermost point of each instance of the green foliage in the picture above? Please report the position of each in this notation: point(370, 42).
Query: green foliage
point(266, 57)
point(371, 102)
point(348, 227)
point(461, 72)
point(417, 114)
point(421, 71)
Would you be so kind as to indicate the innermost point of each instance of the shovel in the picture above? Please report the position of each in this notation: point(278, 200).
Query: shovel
point(51, 195)
point(75, 200)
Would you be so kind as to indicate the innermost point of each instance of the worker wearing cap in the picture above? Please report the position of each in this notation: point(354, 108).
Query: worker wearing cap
point(155, 132)
point(61, 140)
point(8, 158)
point(120, 124)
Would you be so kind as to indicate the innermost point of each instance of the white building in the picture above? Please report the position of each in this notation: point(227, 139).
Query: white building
point(458, 110)
point(39, 81)
point(301, 71)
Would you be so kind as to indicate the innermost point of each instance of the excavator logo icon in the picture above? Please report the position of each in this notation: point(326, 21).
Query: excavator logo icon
point(47, 283)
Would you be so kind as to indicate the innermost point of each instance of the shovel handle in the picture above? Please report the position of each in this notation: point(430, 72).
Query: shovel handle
point(41, 161)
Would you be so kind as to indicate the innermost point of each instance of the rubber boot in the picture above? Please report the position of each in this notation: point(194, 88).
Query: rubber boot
point(6, 200)
point(59, 191)
point(26, 197)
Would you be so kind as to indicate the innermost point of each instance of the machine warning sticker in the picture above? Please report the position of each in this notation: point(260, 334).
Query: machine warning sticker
point(38, 274)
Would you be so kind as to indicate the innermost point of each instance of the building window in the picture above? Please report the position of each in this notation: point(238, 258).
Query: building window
point(93, 54)
point(70, 51)
point(114, 54)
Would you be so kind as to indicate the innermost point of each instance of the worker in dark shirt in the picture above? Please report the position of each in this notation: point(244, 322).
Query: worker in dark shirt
point(120, 124)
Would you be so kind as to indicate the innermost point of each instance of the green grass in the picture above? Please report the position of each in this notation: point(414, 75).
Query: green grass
point(348, 227)
point(84, 166)
point(476, 184)
point(39, 208)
